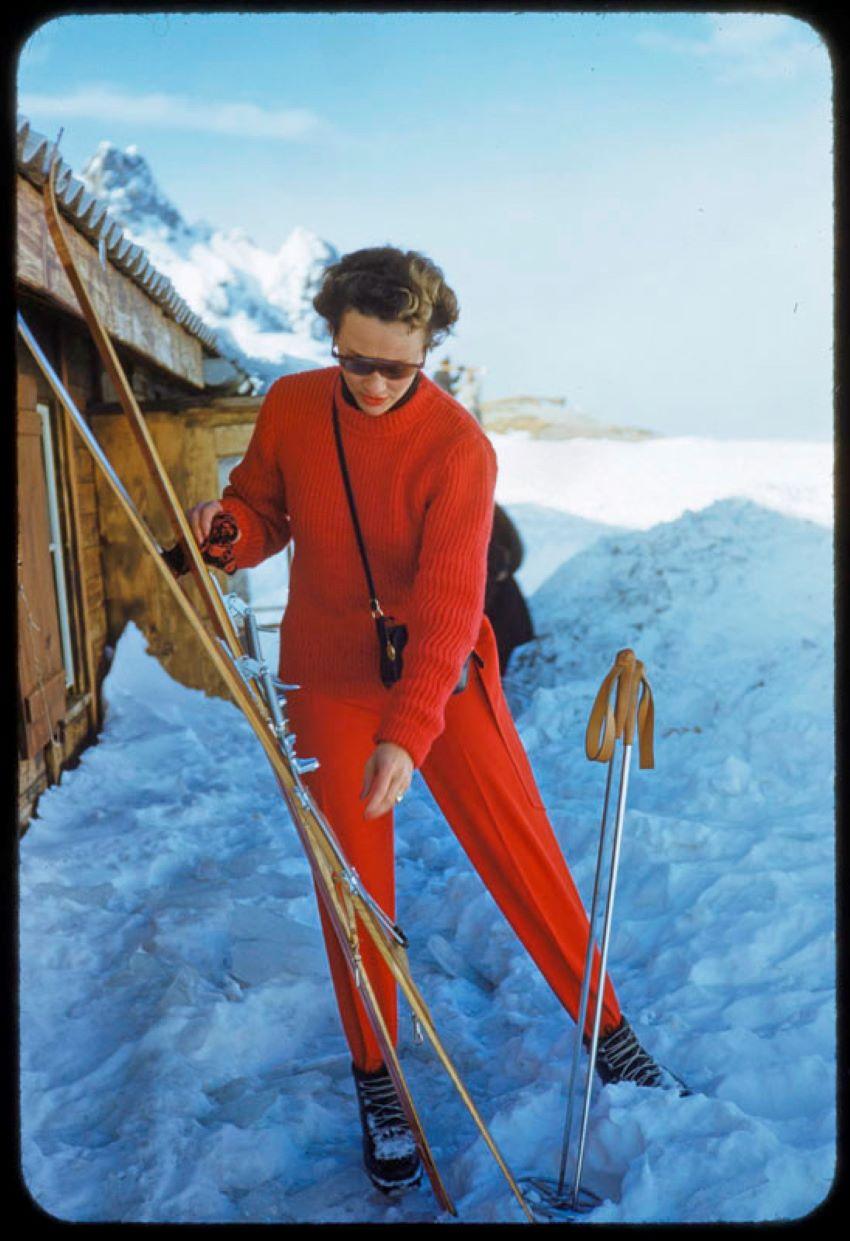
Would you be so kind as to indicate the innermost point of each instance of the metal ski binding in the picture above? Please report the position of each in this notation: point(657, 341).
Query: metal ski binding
point(250, 669)
point(235, 604)
point(283, 687)
point(253, 666)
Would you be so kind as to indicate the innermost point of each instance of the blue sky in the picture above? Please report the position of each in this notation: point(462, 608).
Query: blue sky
point(634, 209)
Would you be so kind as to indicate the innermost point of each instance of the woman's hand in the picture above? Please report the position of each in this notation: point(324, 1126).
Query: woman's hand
point(201, 518)
point(386, 776)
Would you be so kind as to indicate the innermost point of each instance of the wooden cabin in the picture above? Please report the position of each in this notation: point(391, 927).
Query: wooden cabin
point(82, 573)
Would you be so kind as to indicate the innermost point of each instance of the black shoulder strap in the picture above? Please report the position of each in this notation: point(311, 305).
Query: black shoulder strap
point(373, 598)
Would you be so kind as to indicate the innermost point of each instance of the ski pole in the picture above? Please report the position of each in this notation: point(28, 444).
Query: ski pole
point(627, 683)
point(607, 725)
point(611, 722)
point(585, 986)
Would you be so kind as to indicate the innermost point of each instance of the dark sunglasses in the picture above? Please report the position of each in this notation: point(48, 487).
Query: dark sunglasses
point(365, 366)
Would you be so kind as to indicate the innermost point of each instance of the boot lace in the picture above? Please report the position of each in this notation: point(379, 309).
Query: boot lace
point(623, 1059)
point(385, 1118)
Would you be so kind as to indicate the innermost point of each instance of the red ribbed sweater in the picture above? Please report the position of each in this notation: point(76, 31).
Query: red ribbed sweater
point(423, 477)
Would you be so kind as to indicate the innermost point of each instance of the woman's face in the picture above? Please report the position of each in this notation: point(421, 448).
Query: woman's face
point(368, 337)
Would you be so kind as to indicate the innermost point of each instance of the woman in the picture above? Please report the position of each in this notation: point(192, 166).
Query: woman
point(422, 475)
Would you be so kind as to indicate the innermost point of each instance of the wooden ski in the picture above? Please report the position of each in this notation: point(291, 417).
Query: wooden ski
point(348, 905)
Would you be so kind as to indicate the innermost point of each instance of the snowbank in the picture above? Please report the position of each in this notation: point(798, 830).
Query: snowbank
point(181, 1055)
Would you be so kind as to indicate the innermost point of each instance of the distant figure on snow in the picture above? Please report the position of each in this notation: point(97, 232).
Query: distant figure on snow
point(469, 389)
point(445, 377)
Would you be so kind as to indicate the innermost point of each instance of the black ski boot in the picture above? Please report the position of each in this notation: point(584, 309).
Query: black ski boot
point(620, 1058)
point(389, 1151)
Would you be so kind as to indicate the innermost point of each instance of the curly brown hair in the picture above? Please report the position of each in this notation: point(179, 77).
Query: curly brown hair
point(391, 285)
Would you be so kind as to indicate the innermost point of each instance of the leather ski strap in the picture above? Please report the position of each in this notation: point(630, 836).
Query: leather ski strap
point(633, 705)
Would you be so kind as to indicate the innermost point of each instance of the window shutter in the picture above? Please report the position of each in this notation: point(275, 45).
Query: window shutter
point(41, 675)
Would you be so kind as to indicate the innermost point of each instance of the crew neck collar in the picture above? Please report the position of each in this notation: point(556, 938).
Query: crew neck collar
point(399, 417)
point(348, 395)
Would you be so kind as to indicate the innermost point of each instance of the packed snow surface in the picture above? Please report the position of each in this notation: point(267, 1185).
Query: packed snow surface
point(181, 1054)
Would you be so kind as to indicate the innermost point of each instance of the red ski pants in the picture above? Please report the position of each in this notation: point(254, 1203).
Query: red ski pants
point(480, 777)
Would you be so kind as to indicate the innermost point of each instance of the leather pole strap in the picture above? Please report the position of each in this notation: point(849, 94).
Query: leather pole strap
point(633, 703)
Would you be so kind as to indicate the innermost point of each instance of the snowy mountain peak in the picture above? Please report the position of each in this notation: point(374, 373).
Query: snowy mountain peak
point(296, 274)
point(124, 182)
point(303, 244)
point(259, 301)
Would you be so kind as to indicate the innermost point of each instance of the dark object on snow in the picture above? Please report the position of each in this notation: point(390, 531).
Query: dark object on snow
point(389, 1151)
point(444, 377)
point(620, 1058)
point(503, 600)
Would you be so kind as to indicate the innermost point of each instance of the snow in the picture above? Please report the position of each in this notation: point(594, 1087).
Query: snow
point(181, 1058)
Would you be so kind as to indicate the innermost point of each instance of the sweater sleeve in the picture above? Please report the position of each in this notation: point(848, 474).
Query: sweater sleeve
point(448, 598)
point(255, 496)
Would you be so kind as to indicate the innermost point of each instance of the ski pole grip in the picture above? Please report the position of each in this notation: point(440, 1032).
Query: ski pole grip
point(601, 734)
point(606, 720)
point(633, 710)
point(645, 718)
point(627, 691)
point(636, 708)
point(624, 666)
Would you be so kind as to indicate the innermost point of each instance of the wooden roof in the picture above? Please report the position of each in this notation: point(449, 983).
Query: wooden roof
point(138, 304)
